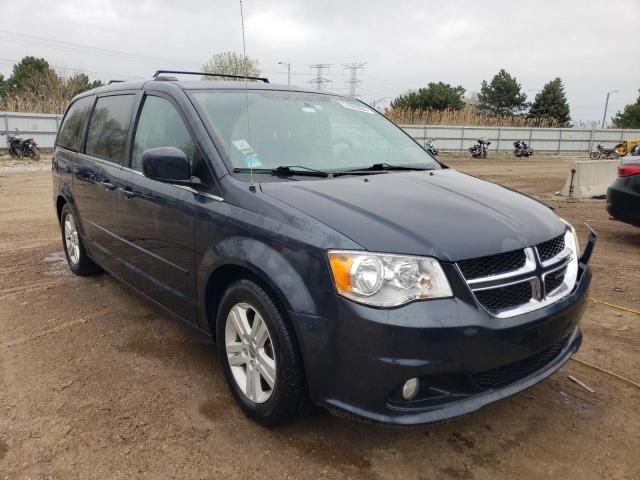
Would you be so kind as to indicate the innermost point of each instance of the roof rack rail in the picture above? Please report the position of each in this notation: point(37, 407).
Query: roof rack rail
point(114, 81)
point(222, 75)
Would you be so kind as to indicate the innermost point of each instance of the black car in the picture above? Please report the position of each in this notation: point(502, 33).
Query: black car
point(623, 196)
point(332, 259)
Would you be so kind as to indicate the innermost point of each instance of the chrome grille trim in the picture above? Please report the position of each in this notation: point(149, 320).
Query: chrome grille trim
point(529, 266)
point(567, 258)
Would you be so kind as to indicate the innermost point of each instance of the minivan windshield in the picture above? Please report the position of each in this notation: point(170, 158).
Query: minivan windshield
point(306, 130)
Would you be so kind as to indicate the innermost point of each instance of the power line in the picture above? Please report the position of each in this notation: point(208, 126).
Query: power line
point(13, 61)
point(353, 77)
point(320, 81)
point(35, 40)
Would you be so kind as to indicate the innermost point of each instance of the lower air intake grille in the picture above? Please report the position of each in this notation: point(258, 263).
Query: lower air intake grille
point(504, 376)
point(502, 298)
point(492, 264)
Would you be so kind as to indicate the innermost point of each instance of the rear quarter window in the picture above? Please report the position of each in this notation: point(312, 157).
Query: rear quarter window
point(108, 127)
point(72, 127)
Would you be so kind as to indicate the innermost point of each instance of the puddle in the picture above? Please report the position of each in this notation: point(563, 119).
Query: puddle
point(57, 264)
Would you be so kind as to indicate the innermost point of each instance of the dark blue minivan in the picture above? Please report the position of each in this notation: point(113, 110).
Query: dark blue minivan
point(331, 257)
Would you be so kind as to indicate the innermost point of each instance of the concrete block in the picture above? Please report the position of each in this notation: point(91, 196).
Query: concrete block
point(589, 178)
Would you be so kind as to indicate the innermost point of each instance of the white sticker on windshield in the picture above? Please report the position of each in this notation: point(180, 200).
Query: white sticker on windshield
point(243, 146)
point(309, 109)
point(355, 106)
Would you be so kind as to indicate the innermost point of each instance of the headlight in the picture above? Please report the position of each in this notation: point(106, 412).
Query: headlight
point(575, 245)
point(387, 280)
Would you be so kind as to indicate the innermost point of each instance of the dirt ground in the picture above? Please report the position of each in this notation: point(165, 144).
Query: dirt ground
point(96, 383)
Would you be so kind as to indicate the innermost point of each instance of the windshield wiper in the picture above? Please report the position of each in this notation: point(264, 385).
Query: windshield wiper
point(380, 168)
point(286, 170)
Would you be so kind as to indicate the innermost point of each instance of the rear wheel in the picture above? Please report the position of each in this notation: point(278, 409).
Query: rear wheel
point(77, 258)
point(259, 355)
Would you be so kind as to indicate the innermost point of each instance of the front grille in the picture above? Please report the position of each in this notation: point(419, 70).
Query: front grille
point(503, 376)
point(492, 264)
point(554, 280)
point(550, 248)
point(502, 298)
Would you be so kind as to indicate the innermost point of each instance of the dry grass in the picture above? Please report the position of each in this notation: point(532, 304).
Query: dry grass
point(467, 117)
point(52, 94)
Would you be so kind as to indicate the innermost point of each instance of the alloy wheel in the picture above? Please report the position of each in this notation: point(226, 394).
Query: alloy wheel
point(71, 239)
point(250, 352)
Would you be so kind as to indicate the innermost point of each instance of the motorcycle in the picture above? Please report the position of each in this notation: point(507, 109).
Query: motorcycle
point(22, 147)
point(606, 153)
point(430, 148)
point(635, 152)
point(479, 150)
point(522, 149)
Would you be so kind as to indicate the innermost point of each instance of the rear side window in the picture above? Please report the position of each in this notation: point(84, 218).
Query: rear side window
point(108, 127)
point(71, 130)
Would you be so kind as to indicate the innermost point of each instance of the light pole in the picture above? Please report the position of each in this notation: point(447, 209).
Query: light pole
point(606, 105)
point(288, 71)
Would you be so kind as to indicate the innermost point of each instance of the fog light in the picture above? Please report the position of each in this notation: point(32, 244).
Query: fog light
point(410, 388)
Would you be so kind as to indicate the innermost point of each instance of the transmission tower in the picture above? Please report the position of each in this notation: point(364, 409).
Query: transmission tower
point(320, 81)
point(353, 77)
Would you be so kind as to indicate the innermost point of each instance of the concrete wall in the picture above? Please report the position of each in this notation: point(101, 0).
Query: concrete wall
point(549, 140)
point(42, 127)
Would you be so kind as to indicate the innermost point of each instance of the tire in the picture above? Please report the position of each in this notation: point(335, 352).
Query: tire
point(34, 153)
point(615, 156)
point(484, 154)
point(13, 153)
point(77, 258)
point(594, 155)
point(274, 353)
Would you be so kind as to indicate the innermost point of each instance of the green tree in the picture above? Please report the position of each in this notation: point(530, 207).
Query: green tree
point(80, 82)
point(29, 75)
point(3, 85)
point(629, 117)
point(502, 96)
point(231, 63)
point(437, 96)
point(551, 102)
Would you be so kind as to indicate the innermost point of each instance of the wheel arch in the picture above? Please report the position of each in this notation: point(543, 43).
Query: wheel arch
point(60, 203)
point(228, 273)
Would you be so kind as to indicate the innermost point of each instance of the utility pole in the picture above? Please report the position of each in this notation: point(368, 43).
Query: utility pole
point(288, 71)
point(319, 81)
point(353, 77)
point(606, 105)
point(378, 100)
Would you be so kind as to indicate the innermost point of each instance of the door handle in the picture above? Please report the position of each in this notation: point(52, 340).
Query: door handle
point(107, 184)
point(128, 193)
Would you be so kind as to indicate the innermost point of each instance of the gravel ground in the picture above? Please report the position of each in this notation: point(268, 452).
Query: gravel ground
point(96, 383)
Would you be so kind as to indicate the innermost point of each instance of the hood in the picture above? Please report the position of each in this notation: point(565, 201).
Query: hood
point(442, 213)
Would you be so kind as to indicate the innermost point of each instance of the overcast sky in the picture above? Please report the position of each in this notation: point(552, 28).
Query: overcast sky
point(593, 46)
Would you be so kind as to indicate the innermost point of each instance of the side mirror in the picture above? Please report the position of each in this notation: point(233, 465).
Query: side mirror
point(167, 164)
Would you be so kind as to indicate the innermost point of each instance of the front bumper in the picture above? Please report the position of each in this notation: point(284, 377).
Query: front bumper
point(464, 357)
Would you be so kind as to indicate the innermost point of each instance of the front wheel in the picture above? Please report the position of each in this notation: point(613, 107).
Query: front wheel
point(484, 154)
point(77, 258)
point(259, 355)
point(34, 153)
point(594, 155)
